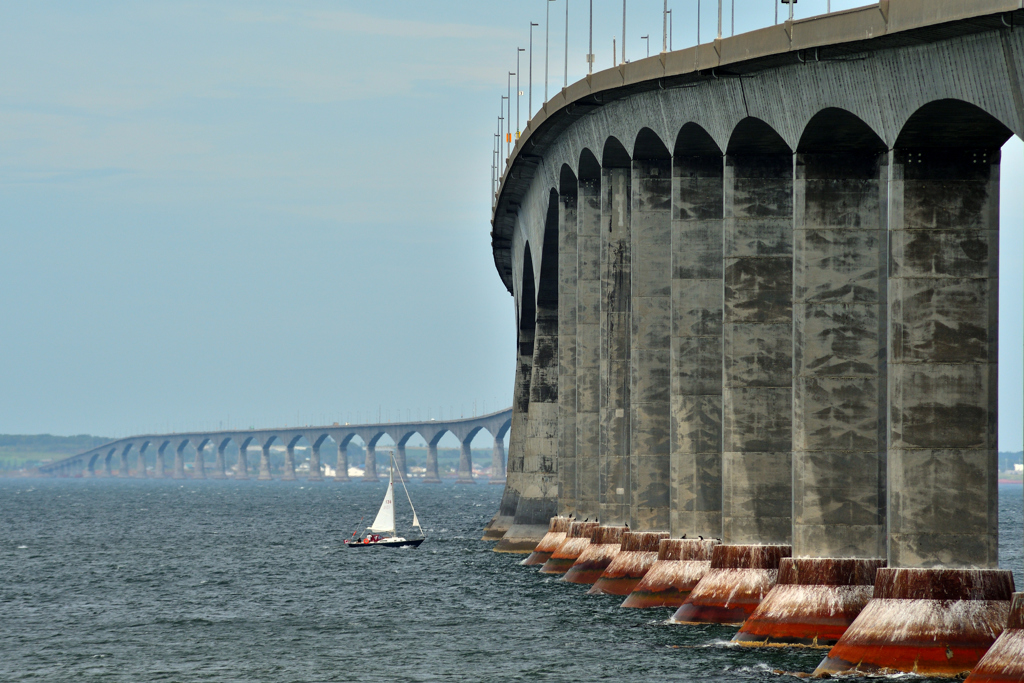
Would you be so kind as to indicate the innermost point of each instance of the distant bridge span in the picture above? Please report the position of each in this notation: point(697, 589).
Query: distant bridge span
point(98, 461)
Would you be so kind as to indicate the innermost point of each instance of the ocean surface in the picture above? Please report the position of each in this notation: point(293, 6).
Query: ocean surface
point(128, 580)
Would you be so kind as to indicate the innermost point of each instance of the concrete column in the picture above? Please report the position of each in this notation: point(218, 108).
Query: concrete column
point(400, 460)
point(504, 521)
point(219, 467)
point(567, 277)
point(140, 464)
point(179, 461)
point(538, 500)
point(264, 474)
point(122, 470)
point(943, 360)
point(242, 468)
point(757, 349)
point(588, 348)
point(289, 463)
point(341, 468)
point(199, 471)
point(696, 427)
point(650, 343)
point(839, 320)
point(158, 465)
point(431, 476)
point(465, 463)
point(106, 465)
point(615, 347)
point(498, 462)
point(370, 471)
point(314, 463)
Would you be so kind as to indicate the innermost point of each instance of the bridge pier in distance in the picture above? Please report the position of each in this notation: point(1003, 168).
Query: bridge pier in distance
point(314, 463)
point(370, 466)
point(465, 463)
point(289, 463)
point(341, 465)
point(431, 476)
point(219, 466)
point(199, 468)
point(179, 460)
point(497, 462)
point(264, 472)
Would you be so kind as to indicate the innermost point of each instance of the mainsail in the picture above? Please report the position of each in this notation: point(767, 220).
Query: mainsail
point(385, 521)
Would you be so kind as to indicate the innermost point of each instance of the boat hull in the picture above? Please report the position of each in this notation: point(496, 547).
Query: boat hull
point(414, 543)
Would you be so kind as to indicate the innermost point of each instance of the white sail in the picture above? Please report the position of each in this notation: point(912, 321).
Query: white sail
point(385, 521)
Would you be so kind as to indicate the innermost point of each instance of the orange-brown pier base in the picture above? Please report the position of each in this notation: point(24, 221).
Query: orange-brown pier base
point(738, 580)
point(604, 547)
point(638, 552)
point(932, 622)
point(1004, 661)
point(576, 541)
point(813, 603)
point(557, 528)
point(680, 566)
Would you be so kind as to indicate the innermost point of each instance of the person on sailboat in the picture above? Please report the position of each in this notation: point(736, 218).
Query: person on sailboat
point(385, 520)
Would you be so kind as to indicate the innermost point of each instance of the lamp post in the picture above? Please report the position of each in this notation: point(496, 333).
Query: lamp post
point(719, 19)
point(664, 27)
point(565, 78)
point(518, 91)
point(529, 101)
point(648, 39)
point(670, 31)
point(547, 45)
point(590, 49)
point(732, 19)
point(623, 31)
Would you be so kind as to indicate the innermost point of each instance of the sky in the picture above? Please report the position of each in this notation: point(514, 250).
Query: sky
point(261, 213)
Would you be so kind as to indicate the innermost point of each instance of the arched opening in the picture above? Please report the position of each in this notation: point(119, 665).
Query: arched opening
point(323, 451)
point(944, 327)
point(697, 308)
point(226, 458)
point(140, 459)
point(199, 466)
point(615, 332)
point(839, 307)
point(757, 336)
point(650, 336)
point(297, 457)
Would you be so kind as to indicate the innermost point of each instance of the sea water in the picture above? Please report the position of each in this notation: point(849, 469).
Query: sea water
point(142, 580)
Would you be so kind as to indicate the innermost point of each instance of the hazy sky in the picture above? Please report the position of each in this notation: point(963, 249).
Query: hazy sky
point(259, 213)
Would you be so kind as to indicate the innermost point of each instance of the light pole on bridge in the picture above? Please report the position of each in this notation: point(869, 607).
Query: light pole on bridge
point(529, 101)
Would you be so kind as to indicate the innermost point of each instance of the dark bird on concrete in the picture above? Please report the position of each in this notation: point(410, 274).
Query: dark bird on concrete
point(701, 537)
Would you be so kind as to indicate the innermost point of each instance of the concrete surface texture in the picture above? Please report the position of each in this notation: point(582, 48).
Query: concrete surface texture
point(786, 291)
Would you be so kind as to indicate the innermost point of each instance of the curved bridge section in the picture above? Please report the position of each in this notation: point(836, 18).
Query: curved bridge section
point(169, 450)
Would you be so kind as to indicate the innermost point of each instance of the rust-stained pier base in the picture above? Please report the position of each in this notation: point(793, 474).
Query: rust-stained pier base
point(679, 567)
point(576, 541)
point(557, 528)
point(603, 549)
point(1004, 661)
point(813, 603)
point(933, 622)
point(738, 580)
point(638, 552)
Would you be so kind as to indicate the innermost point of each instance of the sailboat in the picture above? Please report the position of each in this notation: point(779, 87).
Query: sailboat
point(382, 531)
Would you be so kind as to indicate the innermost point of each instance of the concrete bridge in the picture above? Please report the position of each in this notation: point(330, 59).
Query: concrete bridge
point(99, 461)
point(756, 295)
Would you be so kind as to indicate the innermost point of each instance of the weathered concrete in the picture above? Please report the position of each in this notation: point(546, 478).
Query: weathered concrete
point(465, 473)
point(1004, 661)
point(637, 553)
point(679, 566)
point(498, 462)
point(615, 331)
point(179, 460)
point(264, 471)
point(567, 277)
point(650, 322)
point(696, 391)
point(220, 462)
point(588, 338)
point(199, 465)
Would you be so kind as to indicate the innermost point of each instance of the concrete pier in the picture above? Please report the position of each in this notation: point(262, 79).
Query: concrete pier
point(568, 268)
point(937, 609)
point(179, 460)
point(122, 470)
point(140, 461)
point(498, 462)
point(341, 464)
point(219, 463)
point(739, 578)
point(264, 471)
point(431, 476)
point(576, 541)
point(314, 462)
point(158, 465)
point(588, 337)
point(370, 464)
point(696, 381)
point(679, 566)
point(199, 465)
point(637, 553)
point(465, 474)
point(614, 380)
point(288, 473)
point(1004, 661)
point(557, 529)
point(604, 546)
